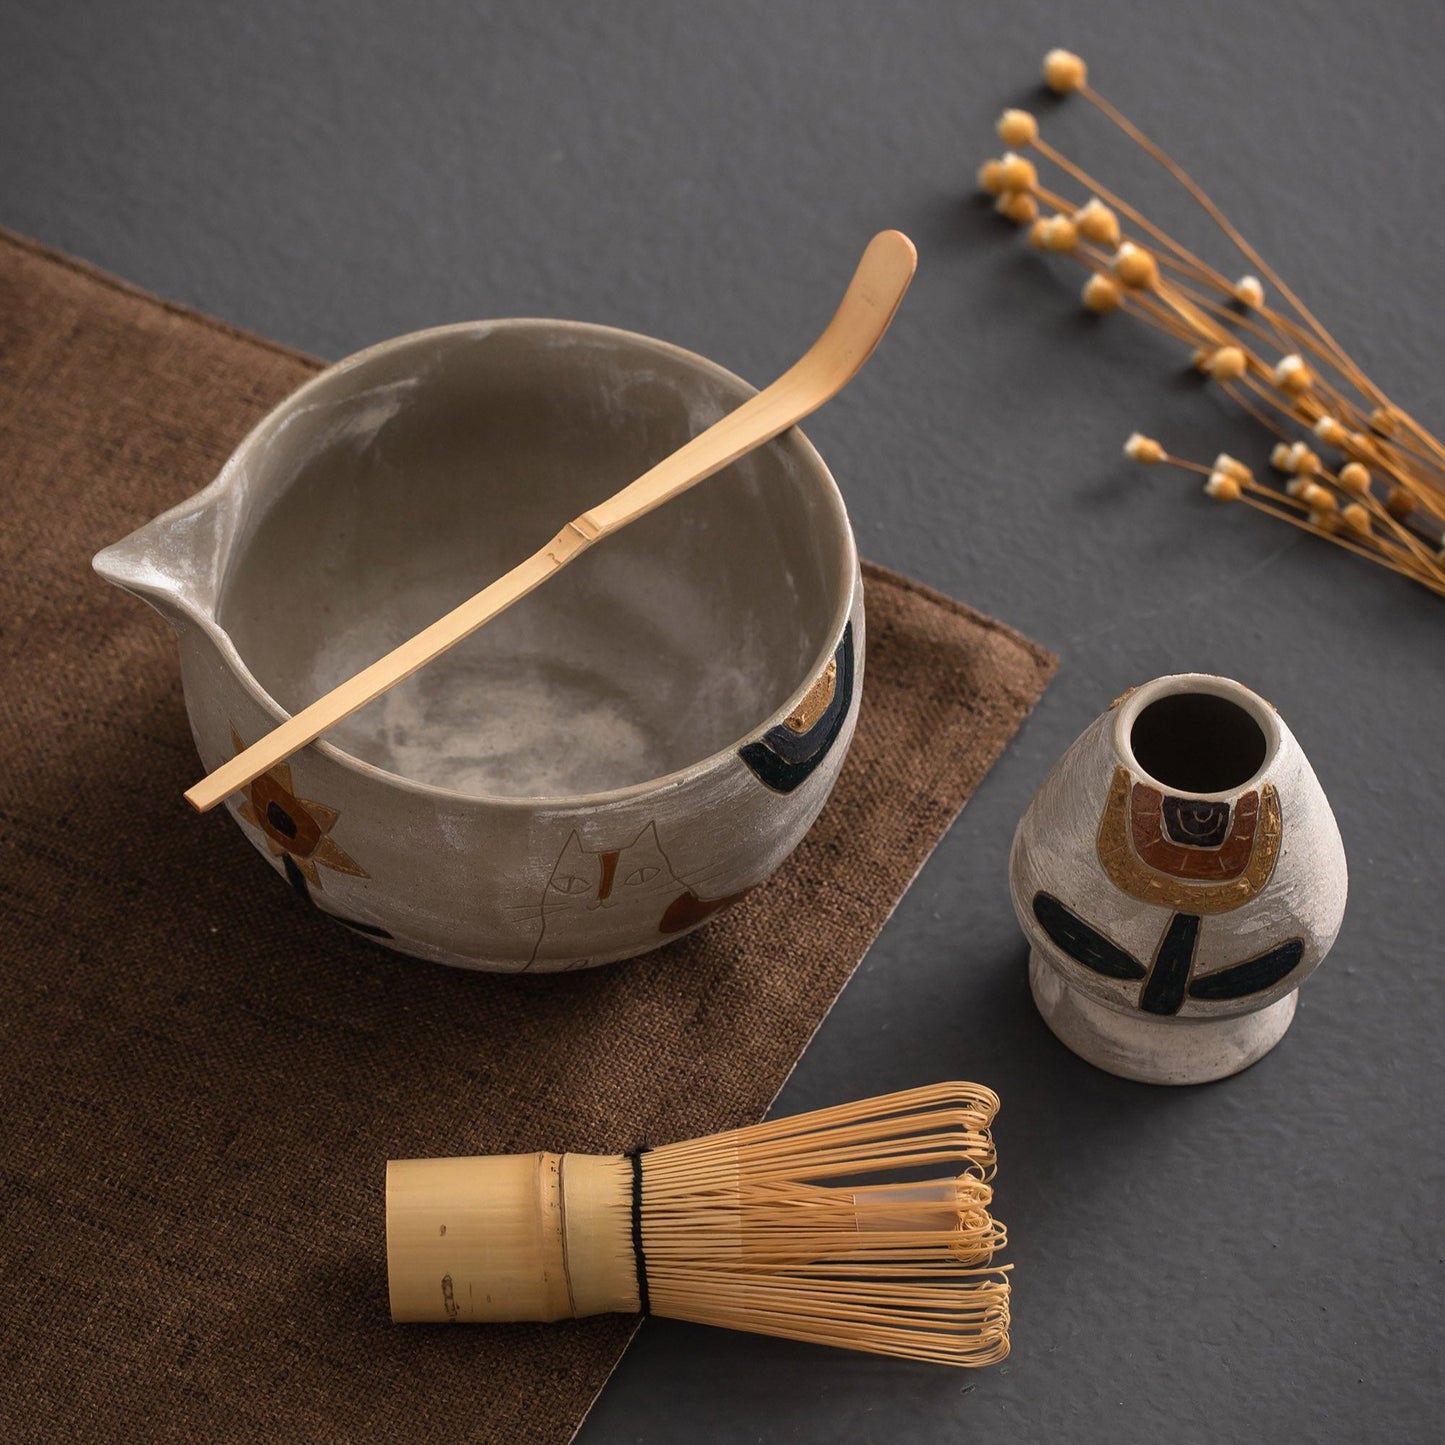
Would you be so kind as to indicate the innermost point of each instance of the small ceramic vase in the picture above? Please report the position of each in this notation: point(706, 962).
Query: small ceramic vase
point(1178, 874)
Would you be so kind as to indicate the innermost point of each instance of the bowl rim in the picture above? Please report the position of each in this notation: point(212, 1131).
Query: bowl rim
point(814, 466)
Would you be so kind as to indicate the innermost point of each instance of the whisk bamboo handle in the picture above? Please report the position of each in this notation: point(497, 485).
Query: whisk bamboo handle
point(511, 1237)
point(818, 375)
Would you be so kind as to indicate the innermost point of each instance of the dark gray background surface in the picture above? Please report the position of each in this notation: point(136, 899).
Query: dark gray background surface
point(1257, 1258)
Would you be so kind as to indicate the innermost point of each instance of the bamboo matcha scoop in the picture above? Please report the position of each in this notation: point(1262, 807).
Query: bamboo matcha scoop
point(823, 370)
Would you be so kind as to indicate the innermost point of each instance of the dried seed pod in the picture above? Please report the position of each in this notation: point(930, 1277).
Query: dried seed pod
point(1097, 223)
point(1017, 128)
point(1101, 294)
point(1302, 461)
point(1065, 72)
point(1382, 421)
point(1227, 364)
point(1400, 503)
point(1249, 291)
point(1354, 477)
point(990, 177)
point(1018, 206)
point(1222, 487)
point(1329, 431)
point(1356, 518)
point(1061, 235)
point(1135, 266)
point(1233, 467)
point(1318, 498)
point(1016, 173)
point(1145, 450)
point(1279, 456)
point(1292, 376)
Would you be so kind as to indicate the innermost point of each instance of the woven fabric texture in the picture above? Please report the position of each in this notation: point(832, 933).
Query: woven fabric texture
point(202, 1079)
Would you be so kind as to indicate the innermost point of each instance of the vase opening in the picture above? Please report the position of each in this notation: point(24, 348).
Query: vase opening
point(1198, 742)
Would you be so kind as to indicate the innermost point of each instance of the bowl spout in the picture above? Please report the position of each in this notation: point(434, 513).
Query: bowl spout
point(175, 561)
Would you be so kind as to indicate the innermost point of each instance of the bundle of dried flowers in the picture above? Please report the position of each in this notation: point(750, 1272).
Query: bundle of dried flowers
point(1381, 493)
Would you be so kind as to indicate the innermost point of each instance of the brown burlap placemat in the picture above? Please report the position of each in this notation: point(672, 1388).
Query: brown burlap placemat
point(201, 1079)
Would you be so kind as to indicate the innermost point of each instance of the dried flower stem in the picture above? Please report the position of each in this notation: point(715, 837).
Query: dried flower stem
point(1385, 500)
point(1299, 514)
point(1197, 192)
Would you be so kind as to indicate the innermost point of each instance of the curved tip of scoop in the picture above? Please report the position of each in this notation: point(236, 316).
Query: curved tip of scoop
point(899, 246)
point(886, 269)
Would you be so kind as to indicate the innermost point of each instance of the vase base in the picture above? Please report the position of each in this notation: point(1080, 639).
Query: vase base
point(1150, 1049)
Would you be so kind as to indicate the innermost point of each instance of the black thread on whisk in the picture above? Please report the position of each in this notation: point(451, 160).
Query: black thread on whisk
point(635, 1155)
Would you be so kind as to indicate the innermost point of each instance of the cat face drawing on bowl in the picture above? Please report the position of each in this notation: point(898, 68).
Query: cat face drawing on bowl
point(632, 888)
point(608, 764)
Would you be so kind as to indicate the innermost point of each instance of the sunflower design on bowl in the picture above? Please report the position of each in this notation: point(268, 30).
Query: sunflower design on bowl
point(297, 830)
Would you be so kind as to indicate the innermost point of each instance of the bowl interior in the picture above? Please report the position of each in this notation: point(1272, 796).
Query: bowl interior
point(401, 483)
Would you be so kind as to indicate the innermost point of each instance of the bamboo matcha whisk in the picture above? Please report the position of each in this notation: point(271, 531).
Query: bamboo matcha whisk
point(816, 1227)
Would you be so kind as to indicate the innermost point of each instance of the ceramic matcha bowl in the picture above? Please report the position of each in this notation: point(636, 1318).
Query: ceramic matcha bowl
point(600, 769)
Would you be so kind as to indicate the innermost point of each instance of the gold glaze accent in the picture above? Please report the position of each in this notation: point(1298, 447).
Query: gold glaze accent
point(309, 840)
point(815, 701)
point(1130, 874)
point(1220, 864)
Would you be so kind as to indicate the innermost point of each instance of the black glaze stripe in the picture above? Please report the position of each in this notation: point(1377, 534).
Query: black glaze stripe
point(1254, 975)
point(369, 929)
point(776, 771)
point(798, 747)
point(297, 879)
point(644, 1300)
point(1084, 943)
point(1163, 992)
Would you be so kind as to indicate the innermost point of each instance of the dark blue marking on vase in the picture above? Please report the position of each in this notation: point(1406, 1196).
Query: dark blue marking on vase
point(297, 879)
point(1083, 942)
point(1167, 981)
point(783, 759)
point(1194, 823)
point(1254, 975)
point(1164, 990)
